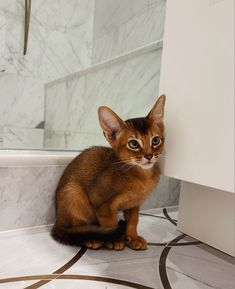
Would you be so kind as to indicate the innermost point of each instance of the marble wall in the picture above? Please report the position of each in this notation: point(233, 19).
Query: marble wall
point(128, 86)
point(60, 37)
point(60, 43)
point(64, 37)
point(124, 25)
point(27, 196)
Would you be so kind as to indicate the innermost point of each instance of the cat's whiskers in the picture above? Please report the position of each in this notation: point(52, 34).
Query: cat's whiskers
point(162, 157)
point(123, 164)
point(126, 161)
point(126, 165)
point(130, 167)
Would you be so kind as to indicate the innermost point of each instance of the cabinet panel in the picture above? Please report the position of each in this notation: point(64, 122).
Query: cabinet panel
point(197, 75)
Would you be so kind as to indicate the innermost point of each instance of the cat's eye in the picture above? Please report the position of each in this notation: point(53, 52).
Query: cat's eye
point(156, 140)
point(133, 144)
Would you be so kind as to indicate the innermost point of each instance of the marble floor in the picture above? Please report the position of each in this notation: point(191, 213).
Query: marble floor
point(30, 258)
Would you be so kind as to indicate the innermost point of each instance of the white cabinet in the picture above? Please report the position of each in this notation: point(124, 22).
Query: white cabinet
point(197, 76)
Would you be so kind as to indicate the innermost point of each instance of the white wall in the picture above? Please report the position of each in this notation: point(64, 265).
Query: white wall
point(198, 78)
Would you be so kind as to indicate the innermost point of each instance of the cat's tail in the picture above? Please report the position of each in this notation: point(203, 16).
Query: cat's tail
point(78, 235)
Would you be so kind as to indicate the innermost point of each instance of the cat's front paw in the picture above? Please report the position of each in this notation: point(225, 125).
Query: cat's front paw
point(115, 245)
point(93, 244)
point(137, 243)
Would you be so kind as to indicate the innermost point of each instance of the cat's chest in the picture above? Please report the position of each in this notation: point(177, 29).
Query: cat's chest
point(136, 190)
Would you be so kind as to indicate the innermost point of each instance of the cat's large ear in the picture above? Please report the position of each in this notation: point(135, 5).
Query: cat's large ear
point(156, 115)
point(110, 122)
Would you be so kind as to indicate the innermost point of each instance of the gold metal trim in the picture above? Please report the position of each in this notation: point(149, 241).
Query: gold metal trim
point(27, 11)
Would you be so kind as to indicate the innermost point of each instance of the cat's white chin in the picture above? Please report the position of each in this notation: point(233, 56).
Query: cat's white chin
point(146, 166)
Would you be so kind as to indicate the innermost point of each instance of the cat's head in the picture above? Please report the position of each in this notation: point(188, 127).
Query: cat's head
point(137, 141)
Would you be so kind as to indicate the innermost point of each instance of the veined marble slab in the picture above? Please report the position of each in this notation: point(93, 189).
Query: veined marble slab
point(22, 101)
point(60, 43)
point(25, 138)
point(72, 140)
point(14, 7)
point(60, 37)
point(50, 54)
point(57, 15)
point(129, 87)
point(1, 136)
point(27, 195)
point(80, 141)
point(54, 139)
point(73, 17)
point(2, 41)
point(137, 31)
point(110, 14)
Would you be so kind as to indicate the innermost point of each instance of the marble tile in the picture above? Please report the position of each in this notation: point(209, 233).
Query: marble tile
point(80, 141)
point(56, 107)
point(72, 140)
point(128, 270)
point(16, 285)
point(27, 195)
point(30, 138)
point(59, 15)
point(60, 37)
point(131, 86)
point(140, 30)
point(110, 14)
point(41, 254)
point(14, 7)
point(50, 54)
point(73, 104)
point(54, 139)
point(60, 43)
point(22, 101)
point(200, 266)
point(1, 136)
point(2, 42)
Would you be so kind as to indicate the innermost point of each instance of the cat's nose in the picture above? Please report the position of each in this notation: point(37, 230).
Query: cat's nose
point(148, 156)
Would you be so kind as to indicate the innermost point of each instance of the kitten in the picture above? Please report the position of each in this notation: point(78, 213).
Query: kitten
point(102, 181)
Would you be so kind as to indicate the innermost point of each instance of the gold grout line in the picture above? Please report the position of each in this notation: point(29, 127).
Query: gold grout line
point(50, 277)
point(168, 217)
point(162, 262)
point(172, 244)
point(61, 270)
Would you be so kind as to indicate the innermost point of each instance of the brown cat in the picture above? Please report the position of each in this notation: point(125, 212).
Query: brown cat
point(102, 181)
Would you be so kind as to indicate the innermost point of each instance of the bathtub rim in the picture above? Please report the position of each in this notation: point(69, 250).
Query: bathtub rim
point(26, 158)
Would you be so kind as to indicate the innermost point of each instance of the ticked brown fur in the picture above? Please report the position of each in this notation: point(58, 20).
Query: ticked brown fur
point(102, 181)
